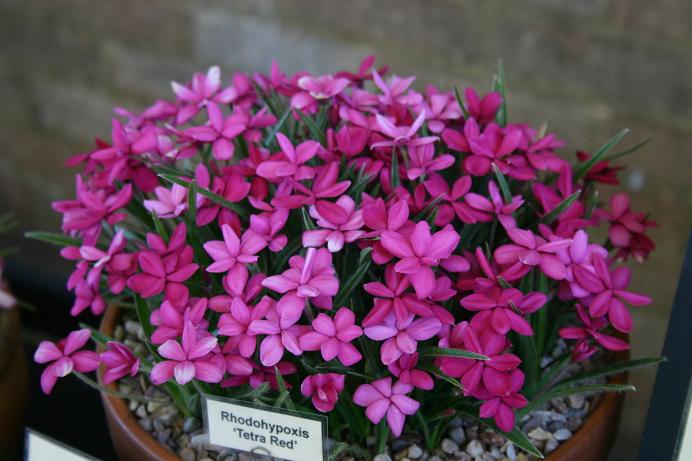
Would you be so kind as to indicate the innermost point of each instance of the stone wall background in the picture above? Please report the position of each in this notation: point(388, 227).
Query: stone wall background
point(589, 67)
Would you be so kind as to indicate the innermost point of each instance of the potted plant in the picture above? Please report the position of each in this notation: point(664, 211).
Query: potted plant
point(410, 264)
point(13, 370)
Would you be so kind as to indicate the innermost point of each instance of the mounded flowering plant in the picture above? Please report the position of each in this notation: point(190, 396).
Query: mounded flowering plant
point(349, 245)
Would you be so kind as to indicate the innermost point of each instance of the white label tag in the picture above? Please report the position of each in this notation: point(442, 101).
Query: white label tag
point(38, 447)
point(282, 434)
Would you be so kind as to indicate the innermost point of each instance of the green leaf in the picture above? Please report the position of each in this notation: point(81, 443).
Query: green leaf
point(449, 352)
point(282, 389)
point(192, 203)
point(461, 103)
point(143, 315)
point(632, 149)
point(504, 186)
point(158, 225)
point(441, 375)
point(500, 87)
point(591, 204)
point(292, 248)
point(307, 220)
point(254, 394)
point(548, 218)
point(530, 362)
point(355, 280)
point(276, 128)
point(208, 194)
point(315, 130)
point(581, 170)
point(55, 239)
point(394, 171)
point(609, 370)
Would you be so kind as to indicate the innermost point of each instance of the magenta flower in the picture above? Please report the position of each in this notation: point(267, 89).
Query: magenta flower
point(233, 254)
point(581, 275)
point(312, 277)
point(484, 110)
point(119, 361)
point(333, 337)
point(485, 208)
point(503, 310)
point(393, 297)
point(396, 91)
point(324, 389)
point(529, 250)
point(379, 217)
point(164, 271)
point(625, 224)
point(170, 203)
point(291, 160)
point(501, 407)
point(612, 296)
point(419, 252)
point(220, 132)
point(261, 375)
point(170, 320)
point(439, 110)
point(405, 369)
point(402, 337)
point(492, 373)
point(591, 329)
point(382, 398)
point(316, 89)
point(340, 223)
point(324, 185)
point(268, 226)
point(65, 357)
point(203, 89)
point(280, 331)
point(192, 360)
point(422, 161)
point(401, 136)
point(236, 324)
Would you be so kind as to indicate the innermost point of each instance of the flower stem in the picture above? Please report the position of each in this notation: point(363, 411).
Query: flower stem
point(382, 433)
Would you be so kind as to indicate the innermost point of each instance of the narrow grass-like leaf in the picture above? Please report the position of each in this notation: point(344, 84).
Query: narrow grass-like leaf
point(269, 138)
point(609, 370)
point(307, 220)
point(504, 186)
point(208, 194)
point(159, 226)
point(460, 101)
point(500, 87)
point(55, 239)
point(432, 369)
point(555, 213)
point(394, 171)
point(449, 352)
point(315, 130)
point(355, 280)
point(631, 150)
point(581, 170)
point(282, 389)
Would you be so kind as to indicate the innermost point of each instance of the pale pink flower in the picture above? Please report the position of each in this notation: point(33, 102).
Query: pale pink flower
point(402, 337)
point(203, 89)
point(316, 89)
point(382, 398)
point(312, 277)
point(340, 223)
point(439, 109)
point(291, 160)
point(119, 361)
point(323, 389)
point(220, 132)
point(419, 252)
point(191, 360)
point(169, 203)
point(333, 337)
point(396, 91)
point(65, 357)
point(401, 136)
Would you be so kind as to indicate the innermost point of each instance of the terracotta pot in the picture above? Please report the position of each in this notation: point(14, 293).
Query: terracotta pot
point(591, 442)
point(14, 384)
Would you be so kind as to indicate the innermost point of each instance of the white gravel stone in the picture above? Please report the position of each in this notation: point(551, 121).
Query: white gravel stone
point(458, 435)
point(475, 448)
point(562, 434)
point(449, 446)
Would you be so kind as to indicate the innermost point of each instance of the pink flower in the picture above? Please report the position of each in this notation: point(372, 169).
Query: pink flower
point(591, 329)
point(164, 271)
point(495, 206)
point(422, 161)
point(324, 389)
point(316, 89)
point(402, 135)
point(405, 369)
point(439, 109)
point(501, 407)
point(393, 297)
point(529, 249)
point(291, 161)
point(381, 398)
point(580, 276)
point(280, 331)
point(625, 224)
point(333, 337)
point(612, 296)
point(233, 254)
point(402, 337)
point(492, 373)
point(268, 226)
point(340, 223)
point(220, 132)
point(203, 89)
point(454, 201)
point(312, 277)
point(194, 359)
point(484, 110)
point(65, 357)
point(236, 324)
point(170, 203)
point(500, 310)
point(419, 252)
point(261, 375)
point(171, 320)
point(119, 361)
point(395, 91)
point(379, 217)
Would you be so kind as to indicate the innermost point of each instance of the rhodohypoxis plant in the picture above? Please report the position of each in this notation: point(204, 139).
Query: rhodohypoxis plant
point(348, 245)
